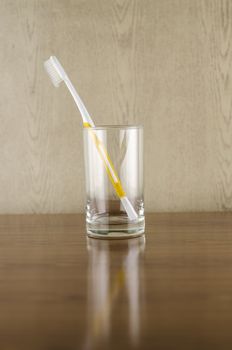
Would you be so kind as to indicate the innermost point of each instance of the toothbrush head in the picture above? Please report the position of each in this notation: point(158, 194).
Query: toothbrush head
point(55, 71)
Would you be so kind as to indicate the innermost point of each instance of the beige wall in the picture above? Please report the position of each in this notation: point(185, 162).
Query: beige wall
point(164, 63)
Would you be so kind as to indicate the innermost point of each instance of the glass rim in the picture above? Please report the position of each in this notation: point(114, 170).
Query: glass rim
point(116, 126)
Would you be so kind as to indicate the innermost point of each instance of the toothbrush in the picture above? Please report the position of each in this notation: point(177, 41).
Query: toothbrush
point(57, 74)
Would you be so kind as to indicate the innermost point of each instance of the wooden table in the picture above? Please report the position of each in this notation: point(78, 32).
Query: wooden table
point(62, 291)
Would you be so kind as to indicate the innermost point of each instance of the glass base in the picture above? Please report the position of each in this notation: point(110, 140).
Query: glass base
point(114, 227)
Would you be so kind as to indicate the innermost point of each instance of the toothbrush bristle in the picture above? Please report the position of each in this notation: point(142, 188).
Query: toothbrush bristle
point(53, 73)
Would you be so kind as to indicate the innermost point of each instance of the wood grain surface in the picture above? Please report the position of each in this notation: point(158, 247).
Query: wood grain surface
point(168, 290)
point(165, 64)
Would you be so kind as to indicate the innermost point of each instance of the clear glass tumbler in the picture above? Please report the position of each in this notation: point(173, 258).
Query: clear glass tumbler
point(114, 153)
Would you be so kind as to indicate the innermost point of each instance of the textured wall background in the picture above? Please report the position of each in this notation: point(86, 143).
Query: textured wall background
point(164, 63)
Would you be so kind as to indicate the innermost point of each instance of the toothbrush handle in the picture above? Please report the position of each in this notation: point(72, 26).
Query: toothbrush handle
point(113, 176)
point(84, 113)
point(107, 163)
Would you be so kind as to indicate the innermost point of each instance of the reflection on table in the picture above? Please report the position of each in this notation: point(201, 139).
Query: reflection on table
point(114, 289)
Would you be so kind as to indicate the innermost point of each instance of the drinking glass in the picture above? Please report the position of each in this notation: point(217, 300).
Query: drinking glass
point(122, 145)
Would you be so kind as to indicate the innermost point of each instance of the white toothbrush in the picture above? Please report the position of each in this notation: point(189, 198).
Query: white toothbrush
point(57, 75)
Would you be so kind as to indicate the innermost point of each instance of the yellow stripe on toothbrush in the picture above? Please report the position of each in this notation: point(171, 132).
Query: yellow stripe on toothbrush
point(86, 125)
point(113, 176)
